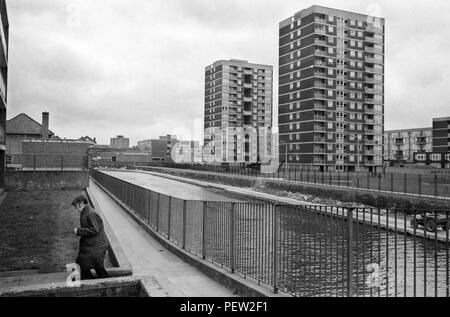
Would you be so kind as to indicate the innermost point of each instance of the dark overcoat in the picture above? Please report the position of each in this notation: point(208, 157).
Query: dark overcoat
point(93, 240)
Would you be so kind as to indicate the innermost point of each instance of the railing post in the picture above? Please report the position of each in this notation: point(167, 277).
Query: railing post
point(168, 217)
point(419, 180)
point(205, 210)
point(392, 182)
point(184, 224)
point(232, 246)
point(435, 185)
point(62, 162)
point(34, 161)
point(349, 252)
point(405, 183)
point(275, 249)
point(157, 211)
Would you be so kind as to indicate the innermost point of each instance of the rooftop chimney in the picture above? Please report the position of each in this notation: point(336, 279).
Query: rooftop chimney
point(45, 125)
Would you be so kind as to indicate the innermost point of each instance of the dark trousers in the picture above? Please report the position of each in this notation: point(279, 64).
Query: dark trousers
point(87, 263)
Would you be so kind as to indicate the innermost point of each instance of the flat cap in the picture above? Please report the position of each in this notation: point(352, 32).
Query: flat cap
point(79, 199)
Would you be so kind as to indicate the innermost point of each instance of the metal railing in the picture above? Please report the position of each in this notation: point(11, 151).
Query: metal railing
point(436, 185)
point(304, 250)
point(35, 162)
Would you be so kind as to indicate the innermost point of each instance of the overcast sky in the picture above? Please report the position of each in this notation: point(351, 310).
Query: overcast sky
point(136, 67)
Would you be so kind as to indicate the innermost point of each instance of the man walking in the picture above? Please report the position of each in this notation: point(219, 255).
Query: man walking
point(93, 241)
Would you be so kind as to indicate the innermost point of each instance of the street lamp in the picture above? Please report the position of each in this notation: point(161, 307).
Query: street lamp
point(285, 155)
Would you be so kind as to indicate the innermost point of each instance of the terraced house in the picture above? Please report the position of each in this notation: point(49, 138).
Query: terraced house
point(331, 90)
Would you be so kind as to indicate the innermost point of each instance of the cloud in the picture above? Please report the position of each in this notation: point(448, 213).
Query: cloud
point(109, 67)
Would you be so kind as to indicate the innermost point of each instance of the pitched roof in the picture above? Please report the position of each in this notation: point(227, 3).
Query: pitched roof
point(23, 124)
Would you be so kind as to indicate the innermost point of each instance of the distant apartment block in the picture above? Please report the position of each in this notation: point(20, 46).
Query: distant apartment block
point(331, 90)
point(238, 112)
point(163, 150)
point(4, 52)
point(400, 145)
point(441, 135)
point(120, 142)
point(435, 160)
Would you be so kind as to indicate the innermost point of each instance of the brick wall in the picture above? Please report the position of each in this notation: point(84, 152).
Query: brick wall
point(54, 148)
point(46, 180)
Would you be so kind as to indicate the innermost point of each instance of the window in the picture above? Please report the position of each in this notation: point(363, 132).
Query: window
point(330, 50)
point(330, 125)
point(330, 71)
point(330, 29)
point(435, 157)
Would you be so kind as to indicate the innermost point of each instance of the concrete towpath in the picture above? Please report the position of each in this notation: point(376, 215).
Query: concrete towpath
point(148, 257)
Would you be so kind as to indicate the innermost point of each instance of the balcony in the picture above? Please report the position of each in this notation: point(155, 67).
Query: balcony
point(373, 91)
point(374, 70)
point(320, 118)
point(319, 106)
point(320, 140)
point(374, 29)
point(373, 80)
point(371, 39)
point(369, 131)
point(320, 42)
point(421, 141)
point(319, 129)
point(321, 53)
point(369, 153)
point(370, 111)
point(319, 96)
point(369, 162)
point(373, 50)
point(369, 100)
point(320, 20)
point(318, 84)
point(321, 150)
point(320, 74)
point(320, 31)
point(319, 161)
point(369, 142)
point(320, 63)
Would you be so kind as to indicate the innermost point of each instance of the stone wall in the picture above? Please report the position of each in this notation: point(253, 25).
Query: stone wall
point(46, 180)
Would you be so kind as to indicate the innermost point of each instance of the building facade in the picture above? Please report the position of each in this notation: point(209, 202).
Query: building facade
point(160, 149)
point(400, 145)
point(433, 159)
point(441, 135)
point(22, 127)
point(331, 90)
point(4, 52)
point(120, 142)
point(238, 112)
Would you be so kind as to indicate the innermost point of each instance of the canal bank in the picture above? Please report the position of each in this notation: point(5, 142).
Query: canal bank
point(325, 194)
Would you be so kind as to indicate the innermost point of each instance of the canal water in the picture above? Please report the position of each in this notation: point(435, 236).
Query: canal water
point(170, 187)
